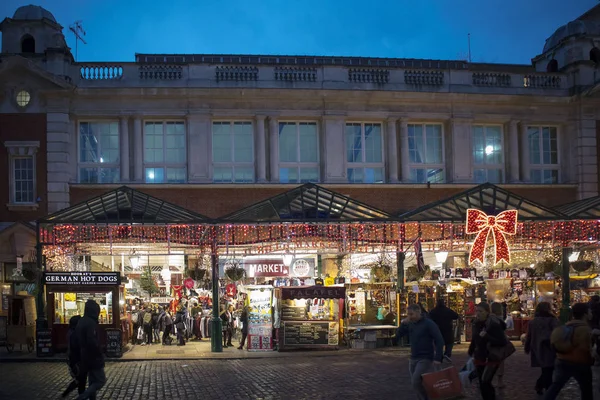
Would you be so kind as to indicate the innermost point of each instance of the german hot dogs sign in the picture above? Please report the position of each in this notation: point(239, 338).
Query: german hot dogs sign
point(82, 278)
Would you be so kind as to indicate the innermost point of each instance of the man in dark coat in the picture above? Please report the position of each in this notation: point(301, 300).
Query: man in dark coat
point(443, 317)
point(92, 359)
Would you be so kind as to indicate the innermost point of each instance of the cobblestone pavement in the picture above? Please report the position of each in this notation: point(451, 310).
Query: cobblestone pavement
point(378, 375)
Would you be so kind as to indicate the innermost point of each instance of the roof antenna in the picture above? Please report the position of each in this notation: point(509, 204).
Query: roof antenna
point(79, 33)
point(469, 39)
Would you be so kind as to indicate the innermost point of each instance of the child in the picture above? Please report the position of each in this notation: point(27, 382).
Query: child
point(73, 360)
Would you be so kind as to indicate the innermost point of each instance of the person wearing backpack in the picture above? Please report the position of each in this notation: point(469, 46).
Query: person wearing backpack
point(573, 345)
point(148, 325)
point(537, 344)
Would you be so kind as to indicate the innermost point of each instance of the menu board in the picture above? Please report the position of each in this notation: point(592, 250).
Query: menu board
point(294, 313)
point(43, 340)
point(113, 343)
point(260, 319)
point(311, 333)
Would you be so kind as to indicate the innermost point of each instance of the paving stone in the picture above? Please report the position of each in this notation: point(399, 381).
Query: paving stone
point(377, 375)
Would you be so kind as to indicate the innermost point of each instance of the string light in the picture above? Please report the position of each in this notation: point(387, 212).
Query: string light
point(483, 226)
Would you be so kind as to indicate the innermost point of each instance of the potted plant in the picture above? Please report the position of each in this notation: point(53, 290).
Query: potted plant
point(235, 271)
point(381, 269)
point(546, 266)
point(582, 265)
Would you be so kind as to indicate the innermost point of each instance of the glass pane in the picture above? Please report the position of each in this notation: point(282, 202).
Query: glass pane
point(244, 174)
point(487, 175)
point(99, 142)
point(479, 176)
point(433, 139)
point(243, 150)
point(288, 175)
point(550, 176)
point(153, 142)
point(223, 174)
point(373, 143)
point(175, 143)
point(533, 137)
point(373, 175)
point(221, 143)
point(23, 180)
point(309, 175)
point(478, 144)
point(309, 149)
point(415, 144)
point(535, 176)
point(436, 175)
point(99, 175)
point(288, 142)
point(176, 175)
point(493, 145)
point(353, 143)
point(549, 146)
point(155, 175)
point(355, 175)
point(418, 175)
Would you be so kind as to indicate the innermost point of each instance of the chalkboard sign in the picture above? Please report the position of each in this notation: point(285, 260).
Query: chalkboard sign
point(113, 343)
point(43, 341)
point(3, 329)
point(297, 313)
point(305, 333)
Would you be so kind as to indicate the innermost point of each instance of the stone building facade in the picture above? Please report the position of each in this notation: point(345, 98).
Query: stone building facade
point(216, 133)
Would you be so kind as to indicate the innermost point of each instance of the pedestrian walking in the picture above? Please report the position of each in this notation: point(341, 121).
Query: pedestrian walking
point(498, 310)
point(147, 320)
point(537, 344)
point(74, 360)
point(244, 322)
point(573, 345)
point(227, 319)
point(168, 323)
point(92, 359)
point(444, 318)
point(155, 326)
point(488, 331)
point(426, 346)
point(179, 324)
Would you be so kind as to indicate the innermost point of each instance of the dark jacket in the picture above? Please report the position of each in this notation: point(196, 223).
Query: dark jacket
point(244, 321)
point(494, 328)
point(73, 349)
point(426, 341)
point(87, 337)
point(225, 318)
point(537, 342)
point(179, 320)
point(443, 317)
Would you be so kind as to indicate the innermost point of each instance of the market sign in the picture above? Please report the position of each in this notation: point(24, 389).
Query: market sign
point(303, 267)
point(268, 267)
point(82, 278)
point(313, 292)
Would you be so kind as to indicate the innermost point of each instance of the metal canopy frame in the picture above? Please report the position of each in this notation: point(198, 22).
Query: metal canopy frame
point(124, 205)
point(308, 203)
point(583, 209)
point(486, 197)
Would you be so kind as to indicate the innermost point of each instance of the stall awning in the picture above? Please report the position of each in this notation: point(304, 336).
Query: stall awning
point(488, 198)
point(313, 292)
point(583, 209)
point(308, 202)
point(124, 205)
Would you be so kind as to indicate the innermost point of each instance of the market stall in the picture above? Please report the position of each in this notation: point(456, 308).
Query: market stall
point(310, 316)
point(67, 293)
point(260, 317)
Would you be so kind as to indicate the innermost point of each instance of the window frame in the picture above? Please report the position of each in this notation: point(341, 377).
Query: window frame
point(232, 164)
point(363, 164)
point(22, 150)
point(502, 165)
point(543, 167)
point(298, 165)
point(98, 165)
point(427, 166)
point(164, 165)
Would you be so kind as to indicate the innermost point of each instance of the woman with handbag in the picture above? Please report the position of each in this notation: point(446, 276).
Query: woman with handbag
point(537, 344)
point(489, 347)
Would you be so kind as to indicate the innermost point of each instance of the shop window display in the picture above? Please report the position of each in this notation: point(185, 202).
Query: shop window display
point(67, 305)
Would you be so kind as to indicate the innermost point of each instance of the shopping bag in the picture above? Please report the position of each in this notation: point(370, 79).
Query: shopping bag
point(140, 334)
point(443, 384)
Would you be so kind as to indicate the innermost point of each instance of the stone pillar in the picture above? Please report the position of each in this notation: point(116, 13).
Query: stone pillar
point(512, 153)
point(392, 146)
point(58, 127)
point(524, 153)
point(261, 149)
point(124, 151)
point(74, 149)
point(335, 150)
point(274, 149)
point(199, 149)
point(404, 155)
point(138, 150)
point(587, 159)
point(461, 157)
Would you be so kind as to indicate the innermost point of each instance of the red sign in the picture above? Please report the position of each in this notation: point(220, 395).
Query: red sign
point(266, 267)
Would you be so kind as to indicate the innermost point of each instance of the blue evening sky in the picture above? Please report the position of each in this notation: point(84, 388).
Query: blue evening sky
point(502, 31)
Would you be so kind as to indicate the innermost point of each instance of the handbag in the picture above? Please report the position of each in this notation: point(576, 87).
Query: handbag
point(443, 384)
point(501, 353)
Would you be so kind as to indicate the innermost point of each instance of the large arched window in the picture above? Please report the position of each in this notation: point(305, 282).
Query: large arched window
point(552, 66)
point(28, 44)
point(595, 55)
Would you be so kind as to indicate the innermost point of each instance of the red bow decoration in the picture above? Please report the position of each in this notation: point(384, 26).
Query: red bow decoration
point(482, 224)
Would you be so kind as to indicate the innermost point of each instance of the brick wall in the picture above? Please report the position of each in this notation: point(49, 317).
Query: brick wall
point(23, 127)
point(216, 202)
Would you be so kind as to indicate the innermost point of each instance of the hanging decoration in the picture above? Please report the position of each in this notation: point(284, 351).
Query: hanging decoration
point(482, 224)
